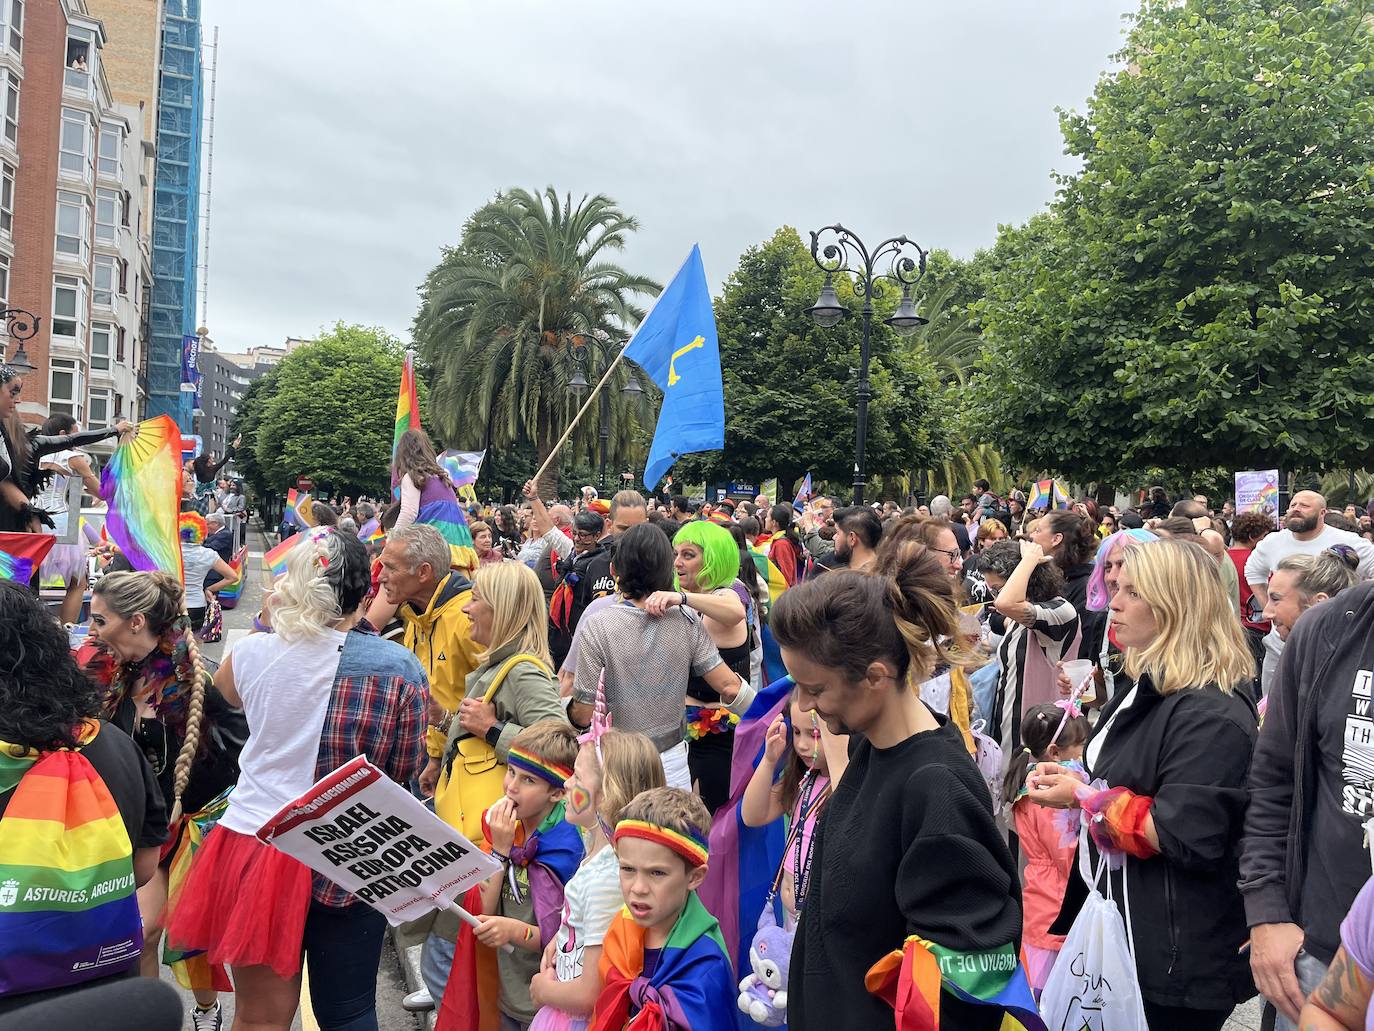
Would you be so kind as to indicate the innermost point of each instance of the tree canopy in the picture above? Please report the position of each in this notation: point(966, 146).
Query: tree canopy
point(1201, 293)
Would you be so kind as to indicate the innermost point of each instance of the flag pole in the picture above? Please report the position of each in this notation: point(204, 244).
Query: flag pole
point(596, 390)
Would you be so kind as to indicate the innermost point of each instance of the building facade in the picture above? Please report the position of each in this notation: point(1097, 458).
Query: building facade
point(72, 174)
point(224, 379)
point(176, 208)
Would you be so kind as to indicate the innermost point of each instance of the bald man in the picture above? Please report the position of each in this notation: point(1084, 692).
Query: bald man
point(1305, 533)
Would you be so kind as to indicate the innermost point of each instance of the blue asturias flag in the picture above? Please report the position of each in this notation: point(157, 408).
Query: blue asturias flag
point(677, 348)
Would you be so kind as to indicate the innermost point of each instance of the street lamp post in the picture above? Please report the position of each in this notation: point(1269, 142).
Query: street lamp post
point(20, 325)
point(578, 385)
point(847, 253)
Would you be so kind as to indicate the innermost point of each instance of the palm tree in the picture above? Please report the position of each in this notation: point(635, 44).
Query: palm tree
point(505, 316)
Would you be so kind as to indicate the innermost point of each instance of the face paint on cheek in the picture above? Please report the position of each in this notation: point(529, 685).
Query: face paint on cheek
point(580, 799)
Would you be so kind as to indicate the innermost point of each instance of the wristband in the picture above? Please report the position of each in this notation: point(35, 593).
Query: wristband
point(443, 725)
point(501, 856)
point(683, 596)
point(529, 932)
point(260, 626)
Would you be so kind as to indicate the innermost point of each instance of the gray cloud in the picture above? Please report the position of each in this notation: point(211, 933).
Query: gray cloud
point(352, 139)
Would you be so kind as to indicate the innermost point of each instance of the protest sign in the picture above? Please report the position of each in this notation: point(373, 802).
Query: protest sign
point(1258, 491)
point(373, 838)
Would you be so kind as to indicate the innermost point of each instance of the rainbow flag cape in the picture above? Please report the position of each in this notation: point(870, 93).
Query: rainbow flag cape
point(909, 980)
point(407, 405)
point(141, 484)
point(275, 560)
point(744, 859)
point(770, 574)
point(446, 516)
point(22, 553)
point(689, 990)
point(68, 912)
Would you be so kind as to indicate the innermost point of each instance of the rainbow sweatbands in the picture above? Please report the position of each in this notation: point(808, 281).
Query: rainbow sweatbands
point(690, 848)
point(1116, 820)
point(550, 772)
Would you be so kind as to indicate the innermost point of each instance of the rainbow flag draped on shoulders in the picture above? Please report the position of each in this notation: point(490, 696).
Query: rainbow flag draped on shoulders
point(68, 911)
point(693, 987)
point(910, 980)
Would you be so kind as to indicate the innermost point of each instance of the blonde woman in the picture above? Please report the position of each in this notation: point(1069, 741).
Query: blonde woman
point(1174, 747)
point(511, 622)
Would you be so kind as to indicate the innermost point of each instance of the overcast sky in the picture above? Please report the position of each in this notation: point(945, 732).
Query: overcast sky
point(351, 141)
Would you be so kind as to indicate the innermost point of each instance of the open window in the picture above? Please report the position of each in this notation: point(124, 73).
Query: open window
point(80, 58)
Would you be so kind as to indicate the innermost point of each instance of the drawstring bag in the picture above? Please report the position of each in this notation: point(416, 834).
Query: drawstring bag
point(1093, 986)
point(212, 630)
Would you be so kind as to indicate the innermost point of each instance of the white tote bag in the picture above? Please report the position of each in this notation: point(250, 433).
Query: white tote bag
point(1093, 986)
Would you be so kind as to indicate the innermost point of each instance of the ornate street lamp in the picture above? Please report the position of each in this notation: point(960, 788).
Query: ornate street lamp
point(578, 385)
point(20, 325)
point(847, 253)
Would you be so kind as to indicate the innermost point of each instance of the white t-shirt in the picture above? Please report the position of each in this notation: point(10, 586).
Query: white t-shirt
point(1276, 547)
point(1094, 748)
point(590, 902)
point(196, 561)
point(285, 688)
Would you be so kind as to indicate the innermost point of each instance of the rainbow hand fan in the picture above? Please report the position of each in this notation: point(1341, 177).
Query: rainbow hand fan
point(142, 487)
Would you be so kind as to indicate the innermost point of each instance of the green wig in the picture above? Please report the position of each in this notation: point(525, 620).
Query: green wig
point(719, 553)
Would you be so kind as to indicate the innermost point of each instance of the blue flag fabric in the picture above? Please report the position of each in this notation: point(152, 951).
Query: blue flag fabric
point(677, 347)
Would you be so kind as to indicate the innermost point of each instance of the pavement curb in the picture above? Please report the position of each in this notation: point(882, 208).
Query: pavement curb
point(410, 971)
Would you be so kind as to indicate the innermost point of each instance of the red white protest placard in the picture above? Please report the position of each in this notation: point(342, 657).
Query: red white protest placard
point(373, 838)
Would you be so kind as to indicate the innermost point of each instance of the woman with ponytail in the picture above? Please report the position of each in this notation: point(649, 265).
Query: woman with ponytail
point(317, 691)
point(160, 695)
point(908, 853)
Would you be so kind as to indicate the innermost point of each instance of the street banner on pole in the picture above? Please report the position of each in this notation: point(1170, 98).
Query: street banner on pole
point(1257, 490)
point(372, 837)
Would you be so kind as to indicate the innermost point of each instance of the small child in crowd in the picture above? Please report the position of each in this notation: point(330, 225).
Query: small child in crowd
point(664, 949)
point(539, 852)
point(799, 793)
point(1051, 732)
point(610, 771)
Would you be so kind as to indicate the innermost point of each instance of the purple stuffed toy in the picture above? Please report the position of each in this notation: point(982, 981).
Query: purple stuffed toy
point(763, 994)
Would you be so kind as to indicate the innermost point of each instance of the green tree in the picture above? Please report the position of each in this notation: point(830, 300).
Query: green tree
point(789, 385)
point(1201, 293)
point(327, 412)
point(505, 312)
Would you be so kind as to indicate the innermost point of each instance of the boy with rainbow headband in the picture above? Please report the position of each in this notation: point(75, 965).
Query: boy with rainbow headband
point(664, 964)
point(522, 906)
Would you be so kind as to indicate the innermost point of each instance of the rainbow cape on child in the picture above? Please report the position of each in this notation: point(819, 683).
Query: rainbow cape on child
point(909, 980)
point(692, 989)
point(68, 912)
point(446, 516)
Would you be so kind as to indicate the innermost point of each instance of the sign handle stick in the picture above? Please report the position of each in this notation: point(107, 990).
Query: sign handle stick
point(467, 918)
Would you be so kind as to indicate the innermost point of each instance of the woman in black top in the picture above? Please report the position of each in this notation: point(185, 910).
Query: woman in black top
point(907, 844)
point(1177, 735)
point(1071, 540)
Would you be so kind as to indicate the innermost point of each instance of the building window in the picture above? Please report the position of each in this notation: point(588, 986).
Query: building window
point(102, 335)
point(74, 159)
point(16, 26)
point(80, 58)
point(64, 388)
point(6, 198)
point(111, 142)
point(119, 345)
point(73, 234)
point(105, 274)
point(99, 413)
point(12, 108)
point(123, 269)
point(124, 203)
point(106, 212)
point(4, 281)
point(69, 308)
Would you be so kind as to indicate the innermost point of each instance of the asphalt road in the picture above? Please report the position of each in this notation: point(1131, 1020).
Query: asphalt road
point(390, 983)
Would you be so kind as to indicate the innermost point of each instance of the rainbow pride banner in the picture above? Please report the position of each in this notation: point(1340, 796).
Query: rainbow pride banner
point(68, 910)
point(22, 553)
point(141, 484)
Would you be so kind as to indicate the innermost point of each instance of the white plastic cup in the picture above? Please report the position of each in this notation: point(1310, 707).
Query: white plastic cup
point(1078, 671)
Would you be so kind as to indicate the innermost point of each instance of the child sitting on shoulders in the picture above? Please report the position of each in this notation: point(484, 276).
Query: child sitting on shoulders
point(610, 770)
point(1051, 732)
point(663, 963)
point(799, 794)
point(539, 852)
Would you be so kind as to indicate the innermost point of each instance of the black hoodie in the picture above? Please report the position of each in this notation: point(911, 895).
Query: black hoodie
point(1304, 857)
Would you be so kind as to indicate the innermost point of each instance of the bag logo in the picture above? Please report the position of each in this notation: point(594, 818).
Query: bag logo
point(9, 893)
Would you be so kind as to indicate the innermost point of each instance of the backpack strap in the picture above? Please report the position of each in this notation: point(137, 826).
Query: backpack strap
point(507, 666)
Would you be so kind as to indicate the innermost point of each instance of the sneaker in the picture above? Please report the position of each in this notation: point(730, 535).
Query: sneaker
point(416, 1002)
point(207, 1020)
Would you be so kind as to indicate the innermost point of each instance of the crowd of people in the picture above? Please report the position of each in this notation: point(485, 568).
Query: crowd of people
point(873, 733)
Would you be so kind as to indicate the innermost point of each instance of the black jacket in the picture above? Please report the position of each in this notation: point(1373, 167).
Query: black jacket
point(25, 453)
point(589, 577)
point(1310, 781)
point(1190, 752)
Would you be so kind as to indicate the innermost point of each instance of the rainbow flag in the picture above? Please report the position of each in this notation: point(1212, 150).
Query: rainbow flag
point(1048, 494)
point(191, 968)
point(770, 574)
point(462, 466)
point(909, 980)
point(68, 912)
point(298, 508)
point(275, 560)
point(141, 484)
point(447, 517)
point(803, 493)
point(407, 405)
point(371, 532)
point(22, 553)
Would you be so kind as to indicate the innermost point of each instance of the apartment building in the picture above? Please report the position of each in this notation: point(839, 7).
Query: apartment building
point(224, 380)
point(73, 177)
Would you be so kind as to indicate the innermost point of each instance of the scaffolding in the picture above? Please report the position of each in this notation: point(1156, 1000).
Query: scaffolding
point(176, 208)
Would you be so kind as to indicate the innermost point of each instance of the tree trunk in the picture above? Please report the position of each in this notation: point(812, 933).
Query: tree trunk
point(546, 436)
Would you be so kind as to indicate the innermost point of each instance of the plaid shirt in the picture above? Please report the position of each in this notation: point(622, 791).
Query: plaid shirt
point(379, 708)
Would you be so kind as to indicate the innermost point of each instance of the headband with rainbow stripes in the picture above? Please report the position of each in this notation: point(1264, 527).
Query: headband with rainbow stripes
point(689, 847)
point(541, 768)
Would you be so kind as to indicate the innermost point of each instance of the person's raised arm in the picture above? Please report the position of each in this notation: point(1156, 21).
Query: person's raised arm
point(762, 801)
point(540, 520)
point(1011, 599)
point(81, 466)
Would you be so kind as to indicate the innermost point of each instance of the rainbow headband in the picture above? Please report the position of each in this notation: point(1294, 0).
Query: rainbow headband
point(544, 770)
point(689, 847)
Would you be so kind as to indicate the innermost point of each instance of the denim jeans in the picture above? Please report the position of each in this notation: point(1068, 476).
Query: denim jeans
point(1310, 972)
point(343, 949)
point(436, 960)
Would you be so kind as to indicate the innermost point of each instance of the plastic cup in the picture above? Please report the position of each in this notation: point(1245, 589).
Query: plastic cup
point(1079, 670)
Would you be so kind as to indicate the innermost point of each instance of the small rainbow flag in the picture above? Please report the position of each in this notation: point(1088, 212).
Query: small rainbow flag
point(407, 405)
point(22, 553)
point(142, 487)
point(298, 508)
point(1048, 494)
point(275, 560)
point(910, 980)
point(371, 532)
point(68, 912)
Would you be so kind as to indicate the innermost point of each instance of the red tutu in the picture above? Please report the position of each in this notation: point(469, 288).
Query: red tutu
point(244, 903)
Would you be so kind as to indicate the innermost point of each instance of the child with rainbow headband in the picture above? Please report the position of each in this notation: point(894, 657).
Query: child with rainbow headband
point(664, 964)
point(522, 906)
